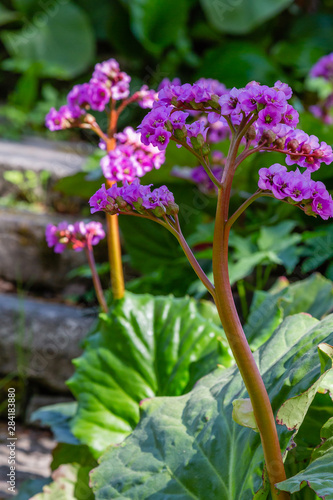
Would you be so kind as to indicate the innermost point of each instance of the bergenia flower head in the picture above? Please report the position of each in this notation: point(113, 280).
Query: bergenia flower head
point(62, 119)
point(297, 188)
point(73, 236)
point(134, 198)
point(107, 83)
point(323, 68)
point(109, 74)
point(131, 158)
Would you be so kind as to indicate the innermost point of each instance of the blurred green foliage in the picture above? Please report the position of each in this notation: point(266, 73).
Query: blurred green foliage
point(57, 42)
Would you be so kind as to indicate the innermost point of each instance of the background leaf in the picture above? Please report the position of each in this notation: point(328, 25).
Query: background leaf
point(158, 24)
point(60, 39)
point(239, 17)
point(313, 295)
point(318, 474)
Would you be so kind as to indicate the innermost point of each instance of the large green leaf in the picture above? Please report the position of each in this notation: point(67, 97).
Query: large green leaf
point(318, 475)
point(60, 39)
point(240, 17)
point(147, 346)
point(158, 24)
point(313, 295)
point(190, 447)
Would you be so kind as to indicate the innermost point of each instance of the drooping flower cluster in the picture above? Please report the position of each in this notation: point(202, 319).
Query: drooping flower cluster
point(297, 188)
point(74, 236)
point(107, 83)
point(300, 148)
point(131, 198)
point(324, 69)
point(130, 158)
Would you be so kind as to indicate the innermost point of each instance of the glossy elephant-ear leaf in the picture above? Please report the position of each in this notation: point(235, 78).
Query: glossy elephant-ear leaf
point(189, 447)
point(146, 347)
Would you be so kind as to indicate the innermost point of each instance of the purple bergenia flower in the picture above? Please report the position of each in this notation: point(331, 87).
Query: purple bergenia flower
point(76, 237)
point(284, 88)
point(229, 102)
point(60, 120)
point(323, 68)
point(269, 116)
point(266, 175)
point(99, 200)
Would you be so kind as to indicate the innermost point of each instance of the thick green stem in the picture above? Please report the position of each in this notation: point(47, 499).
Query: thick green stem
point(95, 278)
point(233, 329)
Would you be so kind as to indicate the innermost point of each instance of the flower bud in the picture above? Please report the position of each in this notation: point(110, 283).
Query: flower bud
point(308, 210)
point(293, 145)
point(251, 134)
point(205, 149)
point(197, 105)
point(180, 133)
point(195, 143)
point(168, 126)
point(317, 153)
point(214, 102)
point(279, 143)
point(159, 211)
point(138, 206)
point(306, 148)
point(90, 119)
point(122, 204)
point(268, 137)
point(172, 209)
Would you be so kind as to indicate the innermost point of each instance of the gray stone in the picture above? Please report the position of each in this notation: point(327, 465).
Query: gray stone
point(40, 156)
point(43, 338)
point(24, 255)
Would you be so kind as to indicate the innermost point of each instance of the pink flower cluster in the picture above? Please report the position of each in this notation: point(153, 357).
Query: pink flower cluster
point(107, 83)
point(74, 236)
point(134, 198)
point(168, 117)
point(131, 158)
point(269, 104)
point(297, 188)
point(323, 68)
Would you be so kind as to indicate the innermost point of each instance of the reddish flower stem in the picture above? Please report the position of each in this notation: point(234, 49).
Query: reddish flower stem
point(233, 329)
point(95, 278)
